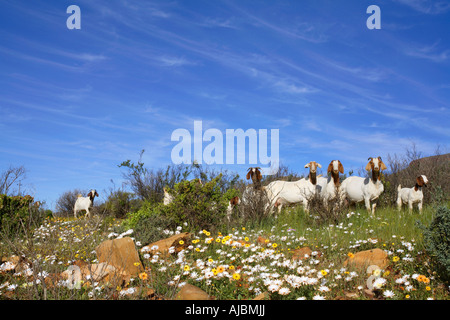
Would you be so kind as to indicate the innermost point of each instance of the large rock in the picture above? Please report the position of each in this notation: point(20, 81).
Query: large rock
point(88, 273)
point(121, 254)
point(364, 259)
point(302, 253)
point(190, 292)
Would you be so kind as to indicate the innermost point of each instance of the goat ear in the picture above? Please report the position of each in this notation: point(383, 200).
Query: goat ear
point(319, 165)
point(369, 165)
point(258, 175)
point(341, 167)
point(420, 181)
point(249, 174)
point(96, 194)
point(382, 165)
point(330, 167)
point(307, 165)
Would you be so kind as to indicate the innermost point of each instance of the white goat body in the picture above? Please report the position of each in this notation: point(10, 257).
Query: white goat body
point(291, 192)
point(358, 189)
point(411, 196)
point(327, 188)
point(84, 203)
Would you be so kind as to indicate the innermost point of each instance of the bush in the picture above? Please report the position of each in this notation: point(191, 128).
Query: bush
point(66, 202)
point(437, 242)
point(119, 204)
point(17, 215)
point(200, 206)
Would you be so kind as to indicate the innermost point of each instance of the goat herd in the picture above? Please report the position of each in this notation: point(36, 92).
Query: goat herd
point(353, 189)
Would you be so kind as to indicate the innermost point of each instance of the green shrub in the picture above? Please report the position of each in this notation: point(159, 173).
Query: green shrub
point(16, 215)
point(119, 203)
point(199, 206)
point(437, 242)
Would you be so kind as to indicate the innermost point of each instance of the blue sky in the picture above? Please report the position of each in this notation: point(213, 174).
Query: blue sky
point(76, 103)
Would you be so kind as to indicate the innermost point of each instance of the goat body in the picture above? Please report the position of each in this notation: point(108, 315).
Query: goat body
point(410, 196)
point(328, 188)
point(358, 189)
point(84, 203)
point(290, 192)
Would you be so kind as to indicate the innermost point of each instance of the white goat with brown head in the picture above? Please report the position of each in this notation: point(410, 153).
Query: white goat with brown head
point(328, 188)
point(85, 203)
point(290, 192)
point(358, 189)
point(411, 196)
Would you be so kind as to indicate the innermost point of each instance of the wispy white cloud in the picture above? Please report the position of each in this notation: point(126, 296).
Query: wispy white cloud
point(429, 52)
point(228, 23)
point(43, 61)
point(427, 6)
point(171, 61)
point(304, 30)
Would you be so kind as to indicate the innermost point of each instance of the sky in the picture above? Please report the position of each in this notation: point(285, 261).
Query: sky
point(75, 103)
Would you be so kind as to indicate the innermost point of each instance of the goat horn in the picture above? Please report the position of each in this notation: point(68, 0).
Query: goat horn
point(370, 158)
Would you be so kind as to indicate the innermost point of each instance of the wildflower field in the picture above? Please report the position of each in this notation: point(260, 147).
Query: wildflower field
point(240, 262)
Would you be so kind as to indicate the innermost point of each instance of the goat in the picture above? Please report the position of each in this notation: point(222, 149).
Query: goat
point(413, 195)
point(255, 174)
point(289, 192)
point(358, 189)
point(84, 203)
point(328, 188)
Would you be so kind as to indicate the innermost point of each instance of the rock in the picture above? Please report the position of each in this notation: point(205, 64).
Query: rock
point(121, 254)
point(101, 272)
point(164, 244)
point(16, 264)
point(191, 292)
point(369, 293)
point(364, 259)
point(302, 253)
point(352, 295)
point(97, 272)
point(262, 296)
point(137, 293)
point(262, 240)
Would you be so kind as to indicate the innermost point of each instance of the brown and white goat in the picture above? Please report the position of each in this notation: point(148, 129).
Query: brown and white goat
point(357, 189)
point(85, 203)
point(328, 188)
point(413, 195)
point(255, 174)
point(290, 192)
